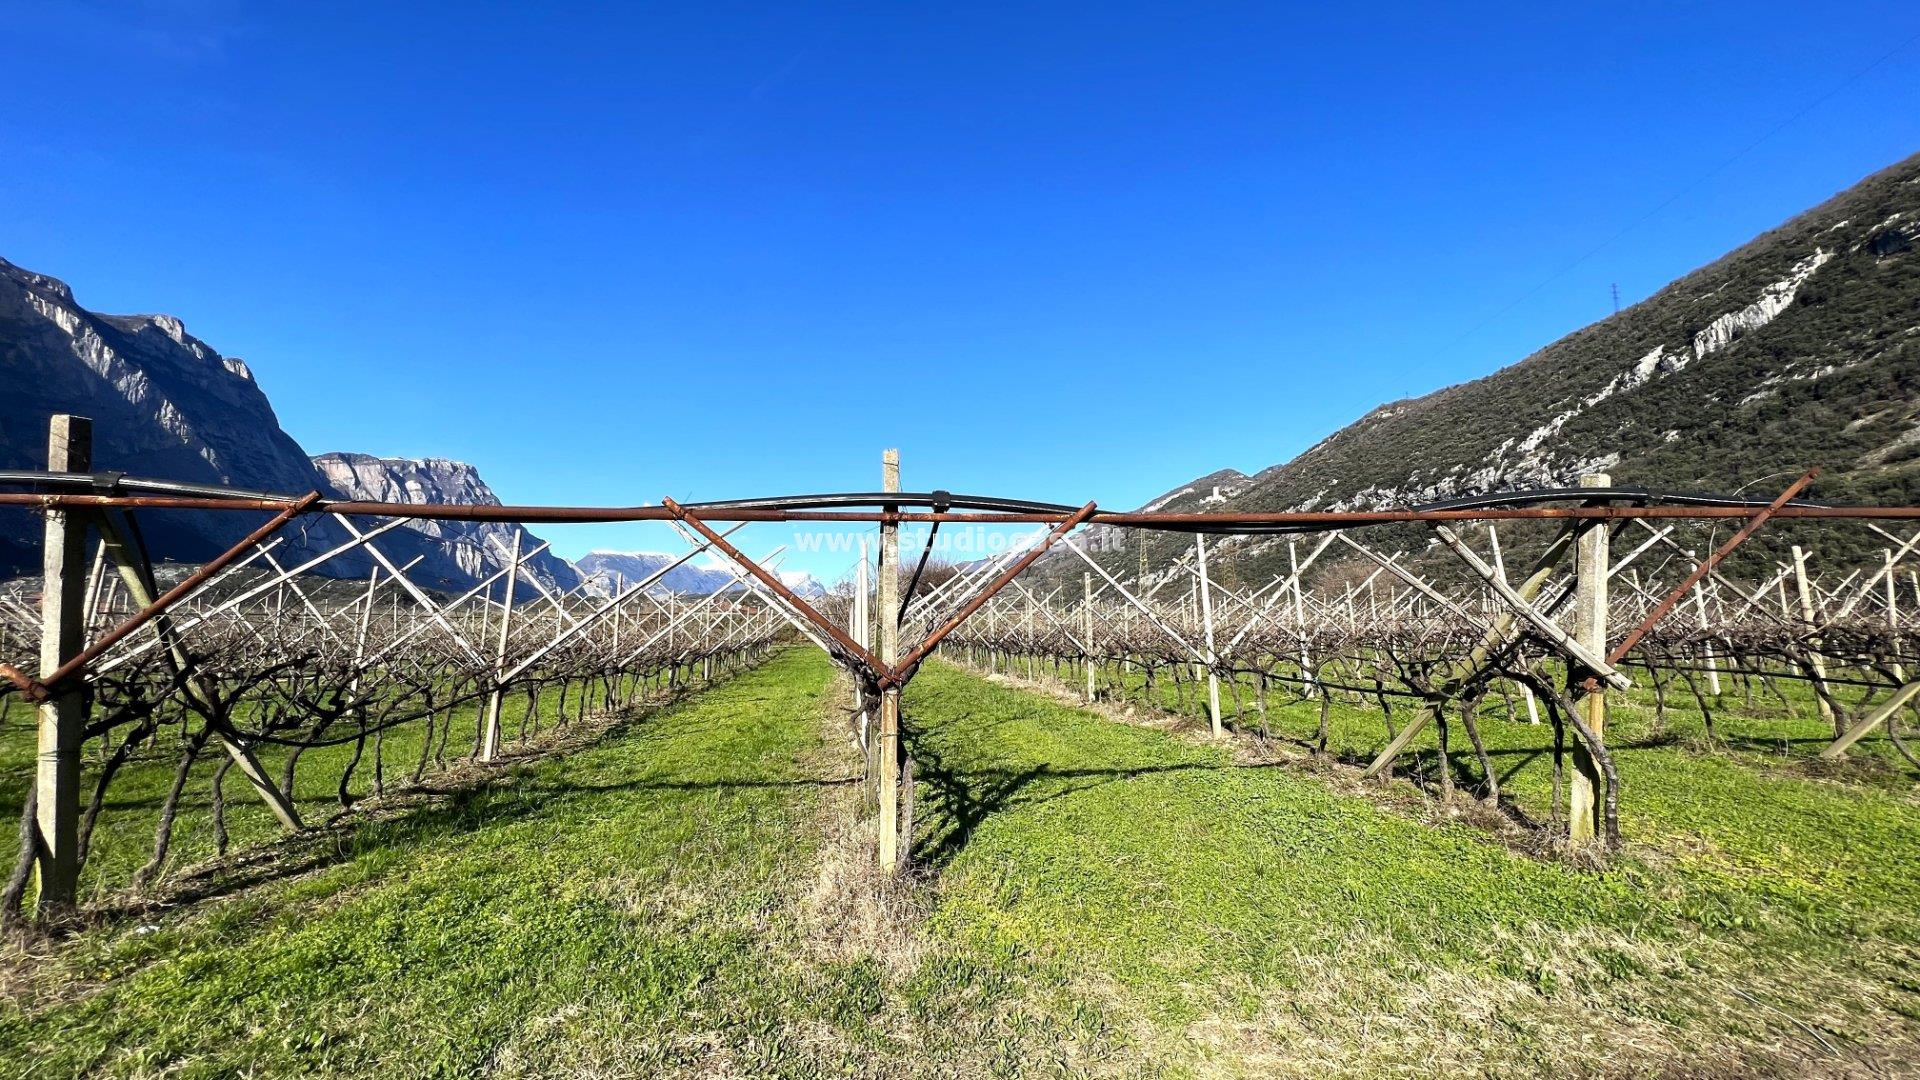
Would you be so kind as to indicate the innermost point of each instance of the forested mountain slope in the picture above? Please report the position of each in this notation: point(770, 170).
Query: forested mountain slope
point(1800, 348)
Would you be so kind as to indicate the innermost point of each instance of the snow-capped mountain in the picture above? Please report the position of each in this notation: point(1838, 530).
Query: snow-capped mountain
point(608, 571)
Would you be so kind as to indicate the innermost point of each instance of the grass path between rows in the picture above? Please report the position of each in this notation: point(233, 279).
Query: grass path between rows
point(619, 893)
point(1250, 919)
point(693, 895)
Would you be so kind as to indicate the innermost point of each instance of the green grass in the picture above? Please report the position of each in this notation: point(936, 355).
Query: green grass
point(1755, 827)
point(1752, 898)
point(687, 896)
point(123, 840)
point(623, 885)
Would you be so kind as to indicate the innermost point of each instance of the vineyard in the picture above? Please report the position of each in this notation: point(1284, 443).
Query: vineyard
point(1490, 720)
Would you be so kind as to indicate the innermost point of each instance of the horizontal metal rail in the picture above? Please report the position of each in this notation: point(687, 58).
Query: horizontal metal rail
point(83, 491)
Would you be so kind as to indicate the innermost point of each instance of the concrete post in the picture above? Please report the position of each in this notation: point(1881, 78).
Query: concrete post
point(1816, 664)
point(490, 742)
point(1206, 624)
point(1086, 616)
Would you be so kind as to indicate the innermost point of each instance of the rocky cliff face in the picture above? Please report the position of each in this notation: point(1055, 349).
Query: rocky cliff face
point(163, 402)
point(608, 572)
point(474, 549)
point(166, 404)
point(1800, 348)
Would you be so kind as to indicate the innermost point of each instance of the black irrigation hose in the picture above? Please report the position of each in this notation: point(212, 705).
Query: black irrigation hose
point(1501, 500)
point(906, 598)
point(938, 501)
point(852, 499)
point(113, 482)
point(1790, 676)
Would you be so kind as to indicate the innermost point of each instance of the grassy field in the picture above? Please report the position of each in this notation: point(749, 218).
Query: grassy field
point(1759, 828)
point(691, 894)
point(123, 841)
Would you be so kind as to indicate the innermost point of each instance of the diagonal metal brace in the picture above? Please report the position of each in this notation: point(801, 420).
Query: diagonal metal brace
point(852, 650)
point(1706, 567)
point(898, 675)
point(37, 690)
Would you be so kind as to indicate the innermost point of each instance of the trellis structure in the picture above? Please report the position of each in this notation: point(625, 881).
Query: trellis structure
point(1393, 631)
point(246, 625)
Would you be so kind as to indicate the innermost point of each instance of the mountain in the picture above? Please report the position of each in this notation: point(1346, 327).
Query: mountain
point(475, 548)
point(609, 571)
point(163, 403)
point(1800, 348)
point(166, 404)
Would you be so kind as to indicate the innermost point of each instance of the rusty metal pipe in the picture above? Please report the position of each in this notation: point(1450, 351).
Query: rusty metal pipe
point(1229, 522)
point(173, 596)
point(854, 651)
point(1706, 567)
point(897, 675)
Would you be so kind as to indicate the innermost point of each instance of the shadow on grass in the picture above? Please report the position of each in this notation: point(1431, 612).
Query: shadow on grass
point(437, 813)
point(723, 783)
point(964, 798)
point(461, 801)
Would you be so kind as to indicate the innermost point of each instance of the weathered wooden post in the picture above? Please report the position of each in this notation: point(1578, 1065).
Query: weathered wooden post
point(889, 618)
point(1816, 664)
point(64, 714)
point(1086, 615)
point(490, 743)
point(1206, 623)
point(1591, 563)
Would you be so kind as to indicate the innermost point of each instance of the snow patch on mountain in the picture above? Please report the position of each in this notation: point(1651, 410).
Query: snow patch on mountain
point(609, 573)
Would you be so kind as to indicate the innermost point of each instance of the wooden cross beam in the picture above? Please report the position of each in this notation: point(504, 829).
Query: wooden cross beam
point(1494, 640)
point(1883, 714)
point(1544, 626)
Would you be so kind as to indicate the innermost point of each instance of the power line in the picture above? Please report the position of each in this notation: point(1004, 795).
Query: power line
point(1678, 195)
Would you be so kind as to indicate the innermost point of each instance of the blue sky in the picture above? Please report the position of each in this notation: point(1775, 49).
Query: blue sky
point(1056, 251)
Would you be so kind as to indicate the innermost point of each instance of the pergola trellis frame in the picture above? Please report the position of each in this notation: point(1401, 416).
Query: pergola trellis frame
point(70, 494)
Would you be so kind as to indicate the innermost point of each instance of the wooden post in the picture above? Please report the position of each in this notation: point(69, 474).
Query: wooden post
point(1816, 664)
point(490, 742)
point(64, 714)
point(889, 653)
point(1206, 624)
point(1591, 563)
point(1086, 615)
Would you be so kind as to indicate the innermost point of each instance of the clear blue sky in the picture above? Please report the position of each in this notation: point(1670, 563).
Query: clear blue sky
point(1057, 251)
